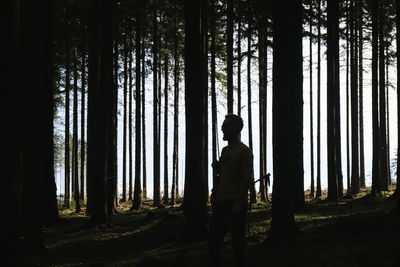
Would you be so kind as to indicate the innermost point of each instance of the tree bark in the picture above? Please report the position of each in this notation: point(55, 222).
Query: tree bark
point(287, 115)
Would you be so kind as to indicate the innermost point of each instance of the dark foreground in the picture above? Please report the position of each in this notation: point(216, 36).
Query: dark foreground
point(353, 232)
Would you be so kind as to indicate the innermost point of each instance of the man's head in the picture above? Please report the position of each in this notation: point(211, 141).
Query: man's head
point(232, 126)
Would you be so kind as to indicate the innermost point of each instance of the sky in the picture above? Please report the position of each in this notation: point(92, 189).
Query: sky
point(222, 111)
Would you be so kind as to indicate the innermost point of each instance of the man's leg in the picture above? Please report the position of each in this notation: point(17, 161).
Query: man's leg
point(217, 232)
point(238, 231)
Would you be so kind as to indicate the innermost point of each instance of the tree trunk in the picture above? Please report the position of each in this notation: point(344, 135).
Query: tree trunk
point(137, 197)
point(99, 108)
point(239, 66)
point(144, 119)
point(318, 192)
point(376, 183)
point(195, 183)
point(355, 175)
point(398, 97)
point(156, 156)
point(75, 172)
point(165, 197)
point(262, 65)
point(287, 115)
point(124, 143)
point(253, 195)
point(83, 125)
point(130, 110)
point(176, 113)
point(67, 146)
point(382, 105)
point(361, 92)
point(348, 96)
point(332, 91)
point(229, 54)
point(311, 108)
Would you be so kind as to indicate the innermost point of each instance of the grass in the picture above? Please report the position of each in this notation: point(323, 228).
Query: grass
point(358, 231)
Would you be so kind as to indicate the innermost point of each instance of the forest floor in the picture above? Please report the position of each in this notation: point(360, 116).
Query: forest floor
point(359, 231)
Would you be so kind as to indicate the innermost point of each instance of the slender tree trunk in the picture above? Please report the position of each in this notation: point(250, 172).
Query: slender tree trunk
point(156, 156)
point(387, 119)
point(130, 111)
point(83, 139)
point(347, 96)
point(376, 183)
point(382, 105)
point(398, 98)
point(355, 175)
point(361, 91)
point(115, 112)
point(137, 197)
point(124, 143)
point(165, 197)
point(253, 195)
point(214, 124)
point(311, 107)
point(75, 172)
point(318, 192)
point(176, 113)
point(262, 62)
point(229, 54)
point(67, 146)
point(144, 119)
point(239, 66)
point(287, 115)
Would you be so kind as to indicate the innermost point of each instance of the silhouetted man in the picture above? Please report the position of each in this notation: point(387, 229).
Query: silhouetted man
point(229, 196)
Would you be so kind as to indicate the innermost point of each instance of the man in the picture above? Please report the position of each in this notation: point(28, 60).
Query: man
point(229, 196)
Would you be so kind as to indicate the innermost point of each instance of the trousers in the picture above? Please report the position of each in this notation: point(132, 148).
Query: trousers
point(224, 219)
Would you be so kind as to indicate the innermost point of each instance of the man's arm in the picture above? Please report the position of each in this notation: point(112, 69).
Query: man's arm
point(247, 172)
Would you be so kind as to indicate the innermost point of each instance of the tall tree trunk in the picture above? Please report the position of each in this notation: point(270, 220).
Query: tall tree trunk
point(262, 65)
point(239, 66)
point(376, 183)
point(195, 183)
point(311, 107)
point(11, 111)
point(387, 118)
point(115, 111)
point(253, 195)
point(156, 156)
point(176, 112)
point(124, 143)
point(348, 95)
point(398, 97)
point(165, 197)
point(137, 197)
point(229, 54)
point(318, 192)
point(204, 72)
point(355, 175)
point(67, 146)
point(287, 115)
point(130, 110)
point(332, 91)
point(382, 104)
point(144, 119)
point(83, 125)
point(361, 91)
point(49, 195)
point(75, 172)
point(99, 108)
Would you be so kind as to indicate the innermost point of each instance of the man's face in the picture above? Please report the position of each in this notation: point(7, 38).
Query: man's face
point(229, 129)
